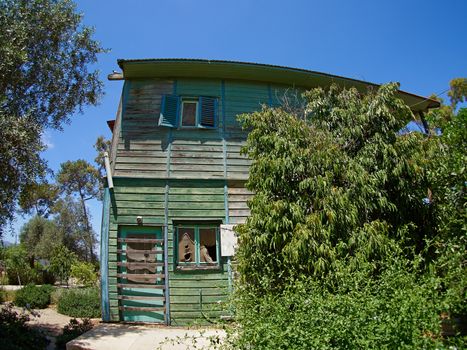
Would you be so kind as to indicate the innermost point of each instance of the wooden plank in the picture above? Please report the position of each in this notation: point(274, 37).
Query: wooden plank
point(133, 308)
point(142, 286)
point(141, 276)
point(151, 251)
point(138, 265)
point(140, 240)
point(140, 297)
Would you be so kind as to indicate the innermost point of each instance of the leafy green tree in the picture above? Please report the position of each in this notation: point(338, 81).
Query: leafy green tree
point(353, 221)
point(45, 55)
point(84, 273)
point(341, 183)
point(68, 216)
point(17, 265)
point(60, 263)
point(38, 198)
point(81, 178)
point(39, 236)
point(458, 91)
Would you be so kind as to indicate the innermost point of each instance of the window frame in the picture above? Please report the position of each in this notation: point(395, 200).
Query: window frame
point(197, 265)
point(182, 103)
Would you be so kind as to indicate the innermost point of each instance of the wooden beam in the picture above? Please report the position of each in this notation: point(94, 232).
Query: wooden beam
point(140, 240)
point(132, 308)
point(147, 251)
point(149, 286)
point(140, 297)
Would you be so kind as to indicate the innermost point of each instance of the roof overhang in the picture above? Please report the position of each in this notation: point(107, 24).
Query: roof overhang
point(200, 68)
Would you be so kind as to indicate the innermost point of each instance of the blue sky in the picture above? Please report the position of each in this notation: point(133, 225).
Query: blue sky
point(420, 44)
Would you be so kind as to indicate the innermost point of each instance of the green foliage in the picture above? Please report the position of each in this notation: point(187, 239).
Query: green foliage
point(34, 297)
point(39, 236)
point(335, 185)
point(357, 234)
point(397, 310)
point(60, 263)
point(80, 303)
point(458, 91)
point(15, 333)
point(73, 330)
point(45, 57)
point(20, 161)
point(82, 179)
point(84, 272)
point(38, 198)
point(18, 266)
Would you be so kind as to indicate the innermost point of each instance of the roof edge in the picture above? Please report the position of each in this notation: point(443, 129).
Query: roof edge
point(121, 62)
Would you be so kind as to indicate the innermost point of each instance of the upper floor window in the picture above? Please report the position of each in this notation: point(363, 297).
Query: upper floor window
point(193, 112)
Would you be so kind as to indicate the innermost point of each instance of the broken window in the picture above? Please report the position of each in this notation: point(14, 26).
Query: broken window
point(198, 246)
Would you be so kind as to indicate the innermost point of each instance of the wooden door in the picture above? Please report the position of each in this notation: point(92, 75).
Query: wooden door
point(141, 275)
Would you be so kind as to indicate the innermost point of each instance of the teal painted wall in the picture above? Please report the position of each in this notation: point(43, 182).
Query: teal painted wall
point(167, 175)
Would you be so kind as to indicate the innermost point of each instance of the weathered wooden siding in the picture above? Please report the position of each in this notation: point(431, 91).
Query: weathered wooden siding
point(195, 293)
point(185, 169)
point(191, 293)
point(238, 196)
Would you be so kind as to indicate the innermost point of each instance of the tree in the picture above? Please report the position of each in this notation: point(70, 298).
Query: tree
point(68, 216)
point(101, 146)
point(38, 198)
point(45, 55)
point(81, 178)
point(352, 221)
point(341, 183)
point(39, 236)
point(60, 263)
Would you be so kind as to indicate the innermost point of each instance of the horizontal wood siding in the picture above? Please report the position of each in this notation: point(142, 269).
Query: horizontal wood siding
point(142, 146)
point(240, 97)
point(195, 293)
point(238, 197)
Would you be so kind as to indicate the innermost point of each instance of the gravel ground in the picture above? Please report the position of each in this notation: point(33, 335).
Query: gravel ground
point(51, 322)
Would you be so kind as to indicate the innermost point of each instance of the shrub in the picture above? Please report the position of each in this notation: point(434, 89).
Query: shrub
point(18, 269)
point(15, 334)
point(56, 295)
point(400, 309)
point(84, 273)
point(60, 263)
point(73, 330)
point(36, 297)
point(80, 303)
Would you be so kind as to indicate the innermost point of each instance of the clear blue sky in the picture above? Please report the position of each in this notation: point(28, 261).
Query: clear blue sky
point(419, 43)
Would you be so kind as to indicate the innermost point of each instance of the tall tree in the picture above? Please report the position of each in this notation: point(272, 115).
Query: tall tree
point(81, 179)
point(101, 146)
point(38, 198)
point(45, 55)
point(38, 236)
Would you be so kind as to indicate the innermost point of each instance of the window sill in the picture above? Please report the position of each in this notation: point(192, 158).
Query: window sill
point(198, 268)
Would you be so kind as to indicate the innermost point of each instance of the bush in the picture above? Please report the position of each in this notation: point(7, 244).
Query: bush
point(73, 330)
point(56, 295)
point(84, 273)
point(398, 310)
point(16, 335)
point(80, 303)
point(35, 297)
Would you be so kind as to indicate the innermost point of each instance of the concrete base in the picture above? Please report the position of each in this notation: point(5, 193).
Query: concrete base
point(132, 337)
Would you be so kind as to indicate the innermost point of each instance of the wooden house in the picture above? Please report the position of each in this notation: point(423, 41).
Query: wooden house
point(177, 176)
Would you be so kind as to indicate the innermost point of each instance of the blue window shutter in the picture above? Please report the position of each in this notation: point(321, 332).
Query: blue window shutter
point(170, 110)
point(208, 107)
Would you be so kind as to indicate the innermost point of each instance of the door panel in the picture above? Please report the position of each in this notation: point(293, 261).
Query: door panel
point(141, 275)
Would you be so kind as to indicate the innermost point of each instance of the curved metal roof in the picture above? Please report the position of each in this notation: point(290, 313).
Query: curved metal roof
point(202, 68)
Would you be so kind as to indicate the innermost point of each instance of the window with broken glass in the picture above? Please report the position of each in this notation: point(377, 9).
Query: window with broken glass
point(198, 247)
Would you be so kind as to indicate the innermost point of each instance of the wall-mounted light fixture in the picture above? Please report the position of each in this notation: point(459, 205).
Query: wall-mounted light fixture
point(139, 220)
